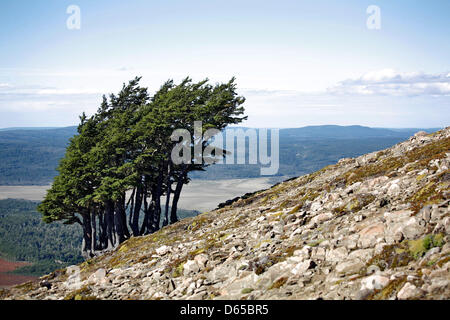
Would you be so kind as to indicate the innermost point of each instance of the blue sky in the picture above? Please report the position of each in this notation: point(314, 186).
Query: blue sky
point(297, 62)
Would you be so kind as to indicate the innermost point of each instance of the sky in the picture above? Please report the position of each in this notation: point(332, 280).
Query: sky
point(298, 63)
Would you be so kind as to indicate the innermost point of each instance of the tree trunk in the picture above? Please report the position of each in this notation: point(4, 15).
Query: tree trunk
point(103, 236)
point(110, 229)
point(86, 250)
point(120, 222)
point(156, 197)
point(94, 232)
point(176, 197)
point(168, 193)
point(130, 218)
point(137, 208)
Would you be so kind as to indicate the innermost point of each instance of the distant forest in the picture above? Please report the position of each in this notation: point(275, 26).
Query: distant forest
point(30, 156)
point(24, 237)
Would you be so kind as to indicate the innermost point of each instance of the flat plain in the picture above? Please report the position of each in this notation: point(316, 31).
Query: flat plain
point(201, 195)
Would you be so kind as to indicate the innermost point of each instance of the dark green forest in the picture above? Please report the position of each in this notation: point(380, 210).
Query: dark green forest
point(25, 237)
point(30, 156)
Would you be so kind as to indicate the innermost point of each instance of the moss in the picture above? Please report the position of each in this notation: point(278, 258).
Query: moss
point(355, 204)
point(262, 242)
point(200, 221)
point(296, 209)
point(443, 261)
point(178, 272)
point(427, 195)
point(418, 248)
point(315, 243)
point(289, 252)
point(84, 293)
point(225, 236)
point(431, 262)
point(247, 290)
point(278, 283)
point(27, 286)
point(420, 177)
point(390, 291)
point(401, 254)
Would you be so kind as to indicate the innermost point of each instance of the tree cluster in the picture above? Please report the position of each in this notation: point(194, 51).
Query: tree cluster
point(118, 167)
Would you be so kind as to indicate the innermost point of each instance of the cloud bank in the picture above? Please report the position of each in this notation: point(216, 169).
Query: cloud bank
point(393, 83)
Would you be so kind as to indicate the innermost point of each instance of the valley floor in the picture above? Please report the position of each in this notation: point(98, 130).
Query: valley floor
point(201, 195)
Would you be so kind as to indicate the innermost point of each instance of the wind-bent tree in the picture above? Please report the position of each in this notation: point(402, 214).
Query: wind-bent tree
point(119, 166)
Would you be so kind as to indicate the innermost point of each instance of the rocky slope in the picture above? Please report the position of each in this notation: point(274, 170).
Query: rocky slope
point(374, 227)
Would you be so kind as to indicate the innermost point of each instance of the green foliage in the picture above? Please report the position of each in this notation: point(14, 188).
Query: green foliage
point(127, 145)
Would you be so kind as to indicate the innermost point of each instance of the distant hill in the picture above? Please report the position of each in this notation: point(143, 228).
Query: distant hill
point(29, 156)
point(345, 132)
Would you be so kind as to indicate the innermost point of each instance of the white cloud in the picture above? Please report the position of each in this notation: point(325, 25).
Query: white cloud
point(391, 82)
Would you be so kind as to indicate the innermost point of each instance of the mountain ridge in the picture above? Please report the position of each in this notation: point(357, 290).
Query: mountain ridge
point(30, 156)
point(372, 227)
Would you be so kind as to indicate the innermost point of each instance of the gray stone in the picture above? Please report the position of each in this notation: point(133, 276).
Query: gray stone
point(408, 291)
point(349, 267)
point(374, 282)
point(189, 267)
point(336, 255)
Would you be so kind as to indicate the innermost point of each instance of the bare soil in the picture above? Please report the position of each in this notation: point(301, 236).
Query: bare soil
point(9, 279)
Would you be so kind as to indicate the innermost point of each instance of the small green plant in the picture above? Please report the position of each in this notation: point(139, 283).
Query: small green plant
point(247, 290)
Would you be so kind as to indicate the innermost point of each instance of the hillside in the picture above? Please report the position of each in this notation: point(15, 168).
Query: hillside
point(373, 227)
point(29, 156)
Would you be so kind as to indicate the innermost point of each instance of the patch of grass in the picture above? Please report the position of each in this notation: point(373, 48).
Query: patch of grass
point(355, 204)
point(427, 195)
point(84, 293)
point(401, 254)
point(418, 248)
point(390, 291)
point(443, 261)
point(296, 209)
point(27, 286)
point(178, 272)
point(247, 290)
point(315, 243)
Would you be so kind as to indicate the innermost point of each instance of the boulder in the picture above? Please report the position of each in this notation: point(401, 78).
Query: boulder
point(408, 291)
point(349, 267)
point(98, 277)
point(163, 250)
point(201, 260)
point(300, 268)
point(190, 267)
point(336, 255)
point(371, 235)
point(374, 282)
